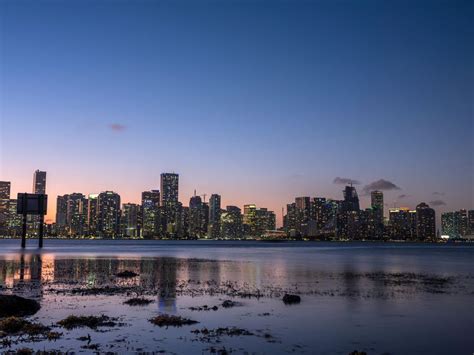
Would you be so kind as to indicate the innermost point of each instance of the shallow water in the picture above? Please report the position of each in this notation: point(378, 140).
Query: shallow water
point(378, 298)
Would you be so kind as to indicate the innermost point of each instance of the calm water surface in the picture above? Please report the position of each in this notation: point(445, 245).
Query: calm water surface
point(378, 298)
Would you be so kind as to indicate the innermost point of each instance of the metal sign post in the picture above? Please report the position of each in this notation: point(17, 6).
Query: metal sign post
point(35, 204)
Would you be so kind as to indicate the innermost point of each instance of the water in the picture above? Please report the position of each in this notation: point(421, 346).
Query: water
point(378, 298)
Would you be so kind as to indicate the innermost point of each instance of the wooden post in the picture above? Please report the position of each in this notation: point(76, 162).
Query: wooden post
point(23, 234)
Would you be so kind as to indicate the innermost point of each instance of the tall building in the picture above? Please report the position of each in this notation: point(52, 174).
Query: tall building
point(425, 222)
point(455, 224)
point(376, 199)
point(257, 220)
point(61, 215)
point(76, 216)
point(402, 223)
point(470, 222)
point(169, 185)
point(303, 213)
point(196, 213)
point(129, 220)
point(15, 220)
point(151, 214)
point(214, 216)
point(39, 182)
point(4, 206)
point(92, 214)
point(5, 190)
point(346, 217)
point(231, 223)
point(170, 208)
point(108, 213)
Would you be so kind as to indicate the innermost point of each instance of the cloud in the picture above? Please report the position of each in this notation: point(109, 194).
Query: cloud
point(402, 196)
point(382, 185)
point(436, 193)
point(117, 127)
point(345, 181)
point(437, 203)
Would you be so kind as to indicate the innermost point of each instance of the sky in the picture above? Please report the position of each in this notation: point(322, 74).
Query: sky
point(258, 101)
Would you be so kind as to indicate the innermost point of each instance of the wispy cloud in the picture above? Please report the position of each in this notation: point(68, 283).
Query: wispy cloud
point(117, 127)
point(345, 181)
point(437, 203)
point(382, 185)
point(403, 196)
point(436, 193)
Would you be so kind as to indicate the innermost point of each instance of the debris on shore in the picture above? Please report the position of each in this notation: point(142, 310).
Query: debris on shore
point(15, 326)
point(92, 322)
point(12, 305)
point(126, 274)
point(138, 301)
point(204, 308)
point(229, 304)
point(167, 320)
point(291, 299)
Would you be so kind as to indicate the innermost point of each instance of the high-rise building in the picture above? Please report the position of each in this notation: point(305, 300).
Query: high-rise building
point(214, 216)
point(5, 190)
point(4, 206)
point(402, 223)
point(108, 213)
point(425, 222)
point(92, 214)
point(39, 182)
point(303, 213)
point(257, 220)
point(231, 223)
point(169, 186)
point(151, 214)
point(15, 220)
point(129, 220)
point(61, 214)
point(376, 198)
point(195, 217)
point(347, 214)
point(76, 216)
point(455, 224)
point(470, 222)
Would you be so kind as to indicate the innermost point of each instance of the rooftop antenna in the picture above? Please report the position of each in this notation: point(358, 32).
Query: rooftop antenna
point(204, 196)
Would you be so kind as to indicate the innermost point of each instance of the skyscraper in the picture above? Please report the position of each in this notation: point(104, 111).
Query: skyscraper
point(61, 214)
point(129, 220)
point(5, 190)
point(39, 182)
point(195, 217)
point(214, 216)
point(169, 204)
point(76, 215)
point(4, 205)
point(169, 185)
point(151, 214)
point(231, 223)
point(376, 198)
point(108, 220)
point(425, 222)
point(92, 214)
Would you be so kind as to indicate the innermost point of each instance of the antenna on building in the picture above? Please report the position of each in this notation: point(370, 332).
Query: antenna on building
point(194, 192)
point(204, 197)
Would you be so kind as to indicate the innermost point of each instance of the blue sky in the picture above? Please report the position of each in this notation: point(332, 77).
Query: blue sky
point(260, 101)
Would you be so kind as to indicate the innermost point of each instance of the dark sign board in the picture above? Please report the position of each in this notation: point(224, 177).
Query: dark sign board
point(32, 204)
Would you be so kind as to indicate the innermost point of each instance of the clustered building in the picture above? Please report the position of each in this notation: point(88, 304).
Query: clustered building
point(321, 218)
point(160, 215)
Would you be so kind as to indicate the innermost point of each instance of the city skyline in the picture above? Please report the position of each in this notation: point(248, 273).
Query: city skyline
point(367, 197)
point(258, 102)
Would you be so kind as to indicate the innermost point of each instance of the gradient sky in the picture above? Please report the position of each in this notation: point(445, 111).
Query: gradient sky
point(259, 101)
